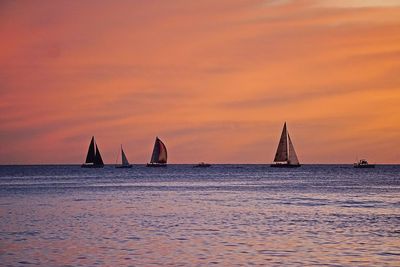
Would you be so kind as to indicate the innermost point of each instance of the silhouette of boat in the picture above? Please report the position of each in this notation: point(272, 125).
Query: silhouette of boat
point(93, 157)
point(159, 156)
point(363, 163)
point(202, 165)
point(124, 159)
point(285, 156)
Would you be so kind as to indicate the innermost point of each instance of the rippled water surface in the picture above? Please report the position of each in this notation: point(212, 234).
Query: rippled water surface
point(226, 215)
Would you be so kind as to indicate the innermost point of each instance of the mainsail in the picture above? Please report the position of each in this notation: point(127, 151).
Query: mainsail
point(159, 152)
point(125, 161)
point(90, 155)
point(282, 150)
point(285, 152)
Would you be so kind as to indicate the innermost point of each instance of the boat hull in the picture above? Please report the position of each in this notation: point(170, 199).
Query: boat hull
point(285, 165)
point(202, 166)
point(124, 166)
point(364, 166)
point(91, 166)
point(155, 165)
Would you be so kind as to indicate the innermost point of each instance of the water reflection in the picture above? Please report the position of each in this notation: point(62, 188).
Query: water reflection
point(168, 219)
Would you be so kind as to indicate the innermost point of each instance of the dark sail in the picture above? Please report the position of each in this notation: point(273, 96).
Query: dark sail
point(162, 157)
point(156, 151)
point(124, 158)
point(90, 154)
point(282, 150)
point(97, 159)
point(159, 152)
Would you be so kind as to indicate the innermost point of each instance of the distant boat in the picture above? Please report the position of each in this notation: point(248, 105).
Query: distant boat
point(93, 157)
point(202, 165)
point(285, 154)
point(125, 162)
point(363, 163)
point(159, 156)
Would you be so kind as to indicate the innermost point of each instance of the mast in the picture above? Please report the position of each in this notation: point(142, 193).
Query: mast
point(116, 160)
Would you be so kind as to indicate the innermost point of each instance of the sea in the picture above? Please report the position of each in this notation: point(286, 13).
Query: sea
point(225, 215)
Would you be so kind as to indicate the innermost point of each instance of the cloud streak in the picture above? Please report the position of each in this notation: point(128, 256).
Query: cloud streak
point(358, 3)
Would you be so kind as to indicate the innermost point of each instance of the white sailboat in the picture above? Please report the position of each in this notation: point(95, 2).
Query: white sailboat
point(125, 162)
point(159, 156)
point(285, 154)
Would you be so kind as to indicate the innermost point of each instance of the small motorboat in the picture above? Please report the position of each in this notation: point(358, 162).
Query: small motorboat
point(202, 165)
point(363, 163)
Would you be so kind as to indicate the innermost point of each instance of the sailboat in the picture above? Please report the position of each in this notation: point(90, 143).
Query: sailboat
point(125, 162)
point(159, 156)
point(93, 157)
point(285, 154)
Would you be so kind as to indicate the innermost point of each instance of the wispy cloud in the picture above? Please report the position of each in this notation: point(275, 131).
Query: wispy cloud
point(276, 2)
point(358, 3)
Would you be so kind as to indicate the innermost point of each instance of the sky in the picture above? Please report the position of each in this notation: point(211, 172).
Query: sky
point(214, 79)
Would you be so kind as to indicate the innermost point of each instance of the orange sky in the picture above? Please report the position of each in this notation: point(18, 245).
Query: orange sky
point(214, 79)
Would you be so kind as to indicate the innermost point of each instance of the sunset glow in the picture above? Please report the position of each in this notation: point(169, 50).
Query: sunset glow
point(215, 80)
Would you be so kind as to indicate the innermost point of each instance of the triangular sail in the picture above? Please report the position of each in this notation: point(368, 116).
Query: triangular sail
point(124, 159)
point(162, 157)
point(282, 150)
point(97, 159)
point(91, 154)
point(159, 152)
point(156, 152)
point(292, 153)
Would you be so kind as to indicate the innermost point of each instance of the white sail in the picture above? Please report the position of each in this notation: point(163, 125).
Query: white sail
point(292, 153)
point(282, 150)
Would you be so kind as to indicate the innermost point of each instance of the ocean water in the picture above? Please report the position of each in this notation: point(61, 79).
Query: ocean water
point(226, 215)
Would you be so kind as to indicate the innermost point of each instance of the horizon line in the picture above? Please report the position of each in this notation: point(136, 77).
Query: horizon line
point(140, 164)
